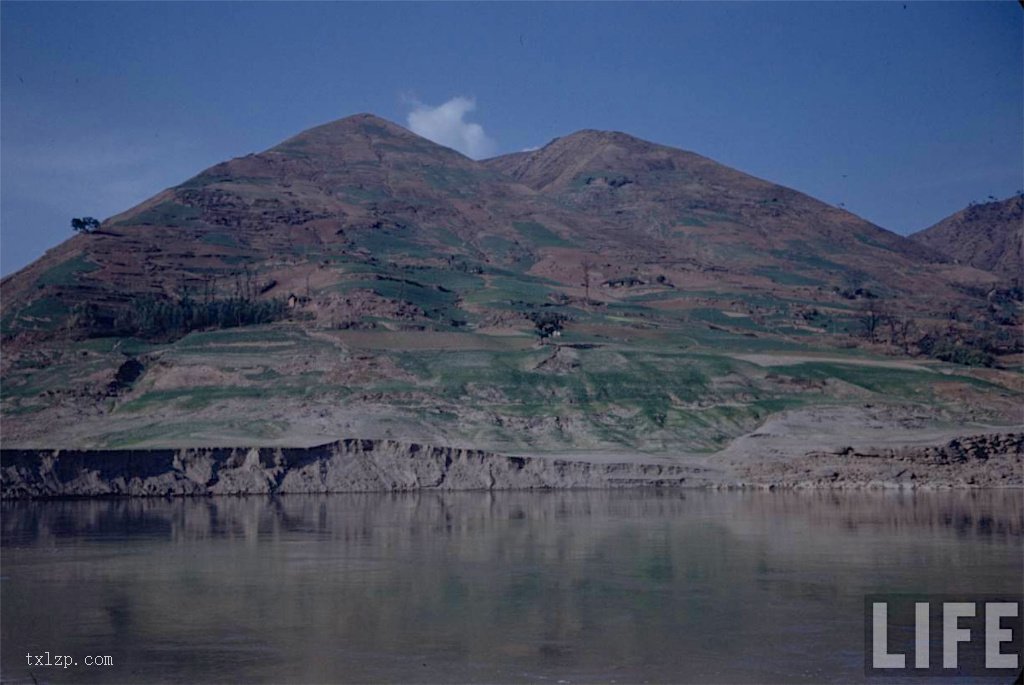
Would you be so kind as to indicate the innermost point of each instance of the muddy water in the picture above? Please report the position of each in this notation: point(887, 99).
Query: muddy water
point(620, 586)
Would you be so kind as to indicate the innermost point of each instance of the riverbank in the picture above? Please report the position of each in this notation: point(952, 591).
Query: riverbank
point(980, 461)
point(342, 466)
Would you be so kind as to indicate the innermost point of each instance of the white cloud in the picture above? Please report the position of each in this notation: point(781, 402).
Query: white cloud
point(446, 125)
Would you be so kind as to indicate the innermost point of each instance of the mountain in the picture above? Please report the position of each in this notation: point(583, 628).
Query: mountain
point(363, 190)
point(987, 236)
point(356, 190)
point(600, 293)
point(692, 208)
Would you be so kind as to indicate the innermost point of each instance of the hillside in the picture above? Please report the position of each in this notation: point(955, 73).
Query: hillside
point(987, 236)
point(601, 294)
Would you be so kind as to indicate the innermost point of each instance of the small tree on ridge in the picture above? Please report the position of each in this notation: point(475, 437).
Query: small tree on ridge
point(85, 224)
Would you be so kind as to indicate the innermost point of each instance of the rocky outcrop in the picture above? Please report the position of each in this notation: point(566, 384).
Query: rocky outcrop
point(343, 466)
point(994, 460)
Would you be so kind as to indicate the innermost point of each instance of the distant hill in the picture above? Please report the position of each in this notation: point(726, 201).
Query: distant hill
point(987, 236)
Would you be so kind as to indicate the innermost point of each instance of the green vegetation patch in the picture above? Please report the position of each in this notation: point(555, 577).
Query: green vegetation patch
point(658, 296)
point(885, 380)
point(246, 430)
point(66, 273)
point(22, 409)
point(618, 396)
point(389, 241)
point(505, 292)
point(250, 334)
point(205, 396)
point(540, 235)
point(452, 279)
point(235, 260)
point(220, 238)
point(452, 180)
point(122, 345)
point(437, 302)
point(446, 236)
point(728, 341)
point(45, 313)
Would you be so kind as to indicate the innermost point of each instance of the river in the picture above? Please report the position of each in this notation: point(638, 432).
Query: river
point(585, 586)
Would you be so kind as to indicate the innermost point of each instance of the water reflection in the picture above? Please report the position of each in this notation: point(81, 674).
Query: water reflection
point(579, 586)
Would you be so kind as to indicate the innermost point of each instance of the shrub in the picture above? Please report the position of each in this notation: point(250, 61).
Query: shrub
point(85, 224)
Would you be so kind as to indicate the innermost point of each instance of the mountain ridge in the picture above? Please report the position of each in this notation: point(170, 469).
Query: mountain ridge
point(361, 184)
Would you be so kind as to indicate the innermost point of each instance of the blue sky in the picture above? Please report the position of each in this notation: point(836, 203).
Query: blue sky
point(903, 112)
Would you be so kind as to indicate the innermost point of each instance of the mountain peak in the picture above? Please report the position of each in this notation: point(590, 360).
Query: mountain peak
point(597, 137)
point(365, 120)
point(341, 130)
point(560, 162)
